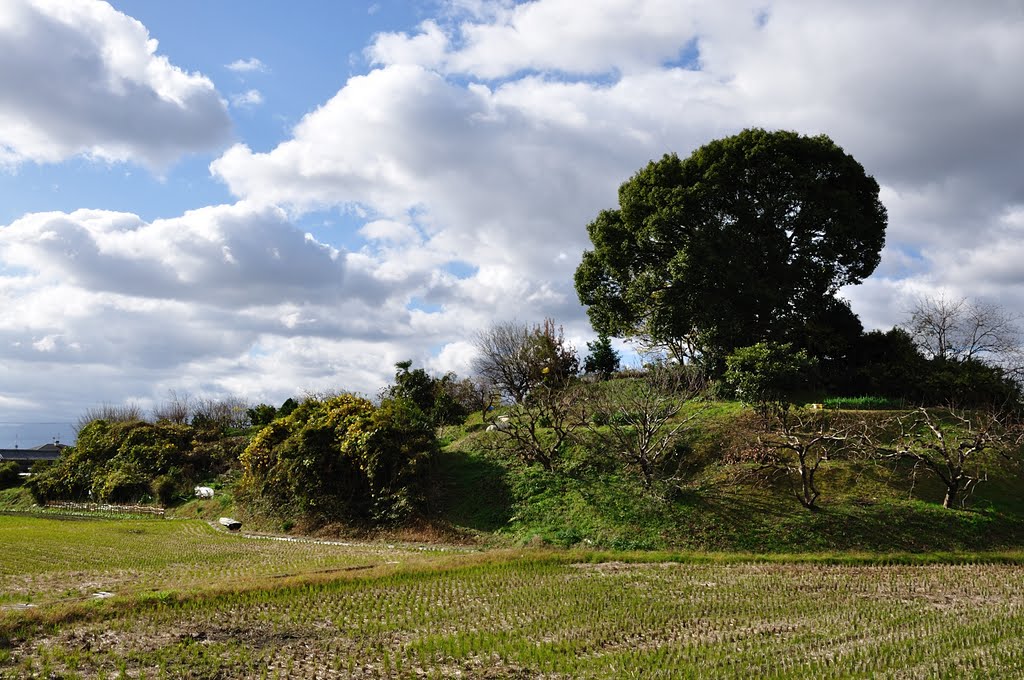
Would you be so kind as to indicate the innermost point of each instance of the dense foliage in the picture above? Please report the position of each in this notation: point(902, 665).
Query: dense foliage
point(9, 475)
point(340, 458)
point(441, 401)
point(748, 239)
point(119, 461)
point(889, 364)
point(770, 376)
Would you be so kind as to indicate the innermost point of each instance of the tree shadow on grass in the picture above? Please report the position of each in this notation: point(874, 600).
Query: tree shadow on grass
point(730, 518)
point(471, 491)
point(776, 523)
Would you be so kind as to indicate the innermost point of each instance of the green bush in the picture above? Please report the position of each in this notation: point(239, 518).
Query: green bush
point(770, 376)
point(120, 462)
point(164, 489)
point(9, 476)
point(122, 485)
point(436, 398)
point(261, 414)
point(341, 459)
point(968, 383)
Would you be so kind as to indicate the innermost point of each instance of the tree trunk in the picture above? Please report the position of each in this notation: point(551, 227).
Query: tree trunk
point(952, 493)
point(809, 493)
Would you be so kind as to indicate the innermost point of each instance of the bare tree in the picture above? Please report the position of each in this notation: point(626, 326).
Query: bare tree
point(112, 413)
point(473, 394)
point(640, 421)
point(951, 445)
point(990, 331)
point(515, 358)
point(800, 443)
point(962, 329)
point(176, 409)
point(503, 358)
point(217, 414)
point(537, 429)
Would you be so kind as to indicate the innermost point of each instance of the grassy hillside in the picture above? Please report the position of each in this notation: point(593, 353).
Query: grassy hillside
point(720, 502)
point(721, 498)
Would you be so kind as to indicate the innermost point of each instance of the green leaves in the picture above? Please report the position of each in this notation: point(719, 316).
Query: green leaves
point(117, 461)
point(769, 376)
point(603, 360)
point(747, 239)
point(341, 458)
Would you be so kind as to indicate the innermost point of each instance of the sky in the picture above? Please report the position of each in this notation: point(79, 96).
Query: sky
point(269, 199)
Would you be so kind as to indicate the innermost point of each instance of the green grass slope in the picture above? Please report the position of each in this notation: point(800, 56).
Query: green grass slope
point(720, 504)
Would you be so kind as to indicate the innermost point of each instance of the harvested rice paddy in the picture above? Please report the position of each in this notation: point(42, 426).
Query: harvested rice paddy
point(192, 602)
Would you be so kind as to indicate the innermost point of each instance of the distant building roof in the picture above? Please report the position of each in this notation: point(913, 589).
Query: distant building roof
point(54, 446)
point(41, 452)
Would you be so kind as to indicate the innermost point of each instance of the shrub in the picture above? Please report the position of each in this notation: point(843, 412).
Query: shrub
point(119, 461)
point(643, 425)
point(539, 430)
point(220, 415)
point(122, 485)
point(438, 399)
point(164, 488)
point(770, 376)
point(261, 414)
point(9, 476)
point(341, 458)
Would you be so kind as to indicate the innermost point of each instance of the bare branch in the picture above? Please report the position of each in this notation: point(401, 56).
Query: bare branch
point(964, 329)
point(112, 413)
point(515, 358)
point(640, 419)
point(503, 358)
point(538, 429)
point(950, 444)
point(176, 409)
point(801, 443)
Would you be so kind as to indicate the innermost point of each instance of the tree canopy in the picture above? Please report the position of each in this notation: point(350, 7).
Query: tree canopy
point(516, 359)
point(748, 239)
point(441, 401)
point(603, 360)
point(340, 458)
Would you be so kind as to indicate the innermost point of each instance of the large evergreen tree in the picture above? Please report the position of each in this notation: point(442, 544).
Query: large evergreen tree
point(748, 239)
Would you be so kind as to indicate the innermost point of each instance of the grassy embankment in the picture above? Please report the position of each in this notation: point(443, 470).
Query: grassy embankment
point(719, 502)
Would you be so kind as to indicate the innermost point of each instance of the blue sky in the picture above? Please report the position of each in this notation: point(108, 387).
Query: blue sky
point(307, 56)
point(286, 198)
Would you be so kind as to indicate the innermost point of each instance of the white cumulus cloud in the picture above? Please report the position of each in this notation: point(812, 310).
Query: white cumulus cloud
point(80, 78)
point(252, 64)
point(502, 128)
point(246, 99)
point(224, 299)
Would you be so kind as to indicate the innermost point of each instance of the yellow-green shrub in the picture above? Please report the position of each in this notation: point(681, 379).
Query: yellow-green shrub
point(340, 458)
